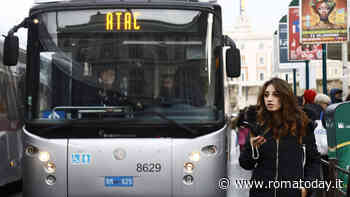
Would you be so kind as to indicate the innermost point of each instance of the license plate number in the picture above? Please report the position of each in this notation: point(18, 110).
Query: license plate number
point(119, 181)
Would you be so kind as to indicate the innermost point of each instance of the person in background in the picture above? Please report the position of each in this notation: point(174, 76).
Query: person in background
point(167, 89)
point(106, 93)
point(103, 92)
point(309, 96)
point(107, 78)
point(283, 147)
point(336, 95)
point(324, 101)
point(235, 123)
point(241, 136)
point(312, 109)
point(301, 103)
point(247, 114)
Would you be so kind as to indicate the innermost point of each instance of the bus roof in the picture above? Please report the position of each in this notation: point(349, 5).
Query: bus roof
point(50, 1)
point(149, 1)
point(54, 5)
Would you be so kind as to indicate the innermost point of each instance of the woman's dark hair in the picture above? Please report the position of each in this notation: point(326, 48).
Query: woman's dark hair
point(291, 118)
point(300, 100)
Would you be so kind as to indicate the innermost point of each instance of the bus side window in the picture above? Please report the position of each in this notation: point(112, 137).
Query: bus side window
point(8, 99)
point(60, 88)
point(3, 90)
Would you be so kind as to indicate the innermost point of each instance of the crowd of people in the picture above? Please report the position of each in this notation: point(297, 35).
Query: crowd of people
point(281, 128)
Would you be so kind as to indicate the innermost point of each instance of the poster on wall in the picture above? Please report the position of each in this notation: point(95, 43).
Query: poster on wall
point(323, 21)
point(298, 51)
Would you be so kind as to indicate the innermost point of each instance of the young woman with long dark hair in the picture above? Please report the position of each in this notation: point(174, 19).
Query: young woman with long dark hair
point(282, 151)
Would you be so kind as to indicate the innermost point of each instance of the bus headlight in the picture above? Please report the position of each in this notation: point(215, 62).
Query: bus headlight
point(36, 21)
point(50, 167)
point(13, 163)
point(31, 150)
point(50, 180)
point(195, 156)
point(209, 150)
point(188, 179)
point(44, 156)
point(189, 167)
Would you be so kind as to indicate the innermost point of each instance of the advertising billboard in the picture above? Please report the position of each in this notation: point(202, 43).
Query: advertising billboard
point(283, 42)
point(323, 21)
point(298, 51)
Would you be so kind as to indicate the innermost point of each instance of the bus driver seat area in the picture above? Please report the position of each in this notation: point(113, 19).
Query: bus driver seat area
point(187, 85)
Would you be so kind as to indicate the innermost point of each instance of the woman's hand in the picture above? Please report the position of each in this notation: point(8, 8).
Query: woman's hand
point(257, 141)
point(303, 192)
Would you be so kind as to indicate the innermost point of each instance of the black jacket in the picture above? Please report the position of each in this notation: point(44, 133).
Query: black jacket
point(283, 162)
point(313, 110)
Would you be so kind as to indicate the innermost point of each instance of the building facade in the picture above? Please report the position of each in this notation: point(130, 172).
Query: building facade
point(256, 62)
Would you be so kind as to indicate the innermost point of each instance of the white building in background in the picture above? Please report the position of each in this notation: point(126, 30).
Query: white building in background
point(256, 62)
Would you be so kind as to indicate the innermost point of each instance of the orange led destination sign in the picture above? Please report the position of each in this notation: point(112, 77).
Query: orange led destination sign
point(122, 21)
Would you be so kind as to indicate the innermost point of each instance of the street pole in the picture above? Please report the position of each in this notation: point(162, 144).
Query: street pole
point(307, 75)
point(324, 69)
point(295, 81)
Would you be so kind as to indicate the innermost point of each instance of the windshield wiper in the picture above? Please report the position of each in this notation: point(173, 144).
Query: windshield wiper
point(167, 101)
point(50, 126)
point(138, 101)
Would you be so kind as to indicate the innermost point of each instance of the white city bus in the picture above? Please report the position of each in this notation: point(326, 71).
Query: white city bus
point(153, 126)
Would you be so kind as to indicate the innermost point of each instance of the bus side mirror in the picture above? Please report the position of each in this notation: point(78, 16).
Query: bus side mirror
point(233, 62)
point(11, 49)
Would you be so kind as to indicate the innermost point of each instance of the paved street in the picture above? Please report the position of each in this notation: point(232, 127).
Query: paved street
point(236, 173)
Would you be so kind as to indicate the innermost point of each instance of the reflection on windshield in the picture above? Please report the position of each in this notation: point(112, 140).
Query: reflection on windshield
point(158, 69)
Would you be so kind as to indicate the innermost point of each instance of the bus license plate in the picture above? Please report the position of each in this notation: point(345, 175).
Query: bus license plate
point(119, 181)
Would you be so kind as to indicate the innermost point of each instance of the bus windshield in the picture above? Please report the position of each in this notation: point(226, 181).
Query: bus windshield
point(127, 64)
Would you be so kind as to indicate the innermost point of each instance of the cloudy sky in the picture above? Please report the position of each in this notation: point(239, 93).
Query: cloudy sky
point(264, 14)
